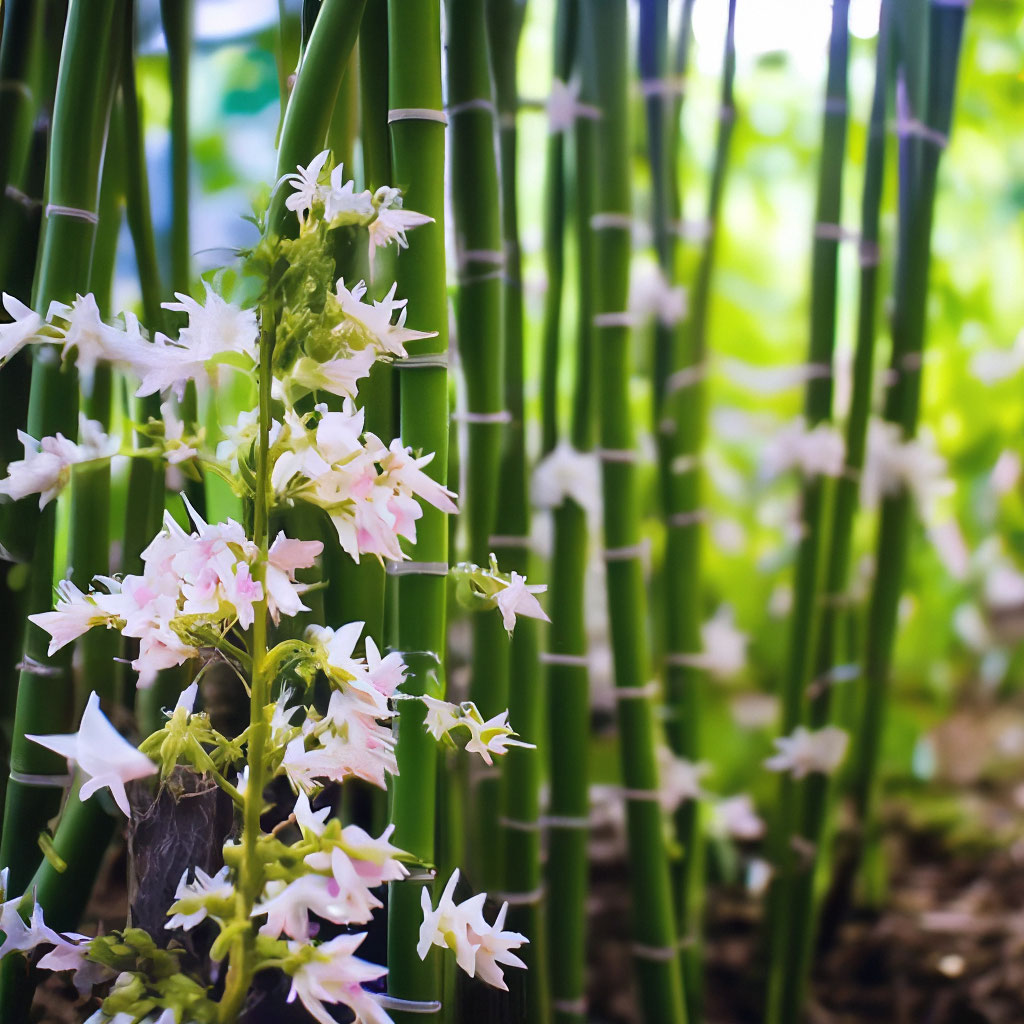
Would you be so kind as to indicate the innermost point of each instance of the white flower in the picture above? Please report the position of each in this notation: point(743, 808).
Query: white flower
point(736, 817)
point(372, 324)
point(101, 753)
point(893, 465)
point(305, 185)
point(820, 450)
point(69, 954)
point(492, 736)
point(175, 447)
point(479, 947)
point(680, 779)
point(725, 647)
point(283, 559)
point(192, 899)
point(392, 222)
point(342, 204)
point(805, 751)
point(651, 294)
point(563, 106)
point(991, 366)
point(25, 327)
point(517, 599)
point(19, 936)
point(74, 615)
point(45, 470)
point(311, 822)
point(566, 473)
point(331, 973)
point(338, 376)
point(86, 333)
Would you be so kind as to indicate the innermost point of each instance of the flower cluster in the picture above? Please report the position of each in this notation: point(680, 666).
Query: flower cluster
point(805, 751)
point(477, 587)
point(817, 451)
point(895, 464)
point(194, 588)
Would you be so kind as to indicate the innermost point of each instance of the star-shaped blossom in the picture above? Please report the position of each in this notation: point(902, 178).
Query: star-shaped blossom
point(23, 329)
point(70, 953)
point(331, 973)
point(306, 188)
point(517, 598)
point(92, 340)
point(806, 751)
point(894, 464)
point(343, 204)
point(102, 755)
point(392, 222)
point(736, 817)
point(565, 473)
point(486, 737)
point(375, 324)
point(564, 107)
point(19, 936)
point(193, 900)
point(680, 779)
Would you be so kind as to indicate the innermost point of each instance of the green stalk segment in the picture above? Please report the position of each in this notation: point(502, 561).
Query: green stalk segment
point(522, 877)
point(813, 793)
point(417, 141)
point(785, 982)
point(655, 945)
point(45, 699)
point(919, 155)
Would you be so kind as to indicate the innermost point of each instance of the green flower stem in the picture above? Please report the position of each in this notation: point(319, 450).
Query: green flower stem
point(176, 16)
point(250, 881)
point(681, 433)
point(414, 64)
point(919, 166)
point(813, 793)
point(658, 974)
point(520, 798)
point(45, 699)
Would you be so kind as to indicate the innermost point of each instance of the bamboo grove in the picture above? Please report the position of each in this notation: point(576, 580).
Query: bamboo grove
point(209, 494)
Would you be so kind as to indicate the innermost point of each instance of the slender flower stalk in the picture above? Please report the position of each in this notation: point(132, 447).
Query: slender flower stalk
point(417, 146)
point(657, 963)
point(681, 431)
point(926, 102)
point(522, 878)
point(816, 497)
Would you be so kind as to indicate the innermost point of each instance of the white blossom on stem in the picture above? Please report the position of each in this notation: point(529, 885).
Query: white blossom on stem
point(102, 755)
point(24, 328)
point(374, 324)
point(342, 203)
point(392, 222)
point(680, 779)
point(805, 751)
point(816, 451)
point(192, 899)
point(736, 817)
point(565, 473)
point(564, 107)
point(306, 189)
point(486, 737)
point(894, 464)
point(517, 598)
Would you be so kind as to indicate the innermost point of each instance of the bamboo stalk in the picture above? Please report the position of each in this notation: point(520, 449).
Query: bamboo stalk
point(919, 156)
point(681, 433)
point(45, 703)
point(414, 64)
point(657, 965)
point(479, 327)
point(813, 793)
point(522, 875)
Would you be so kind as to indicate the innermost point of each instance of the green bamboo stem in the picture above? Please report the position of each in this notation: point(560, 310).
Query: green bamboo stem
point(919, 165)
point(479, 326)
point(414, 64)
point(813, 793)
point(555, 210)
point(45, 702)
point(566, 675)
point(785, 984)
point(22, 36)
point(681, 434)
point(522, 875)
point(176, 16)
point(658, 971)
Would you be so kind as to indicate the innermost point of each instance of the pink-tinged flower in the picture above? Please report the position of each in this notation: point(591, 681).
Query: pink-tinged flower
point(193, 900)
point(564, 107)
point(405, 471)
point(101, 753)
point(330, 973)
point(339, 434)
point(311, 822)
point(24, 329)
point(651, 295)
point(69, 954)
point(74, 615)
point(725, 647)
point(283, 559)
point(374, 860)
point(367, 324)
point(392, 222)
point(486, 737)
point(517, 599)
point(45, 470)
point(386, 674)
point(479, 947)
point(894, 464)
point(342, 204)
point(175, 448)
point(805, 751)
point(305, 185)
point(736, 818)
point(493, 945)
